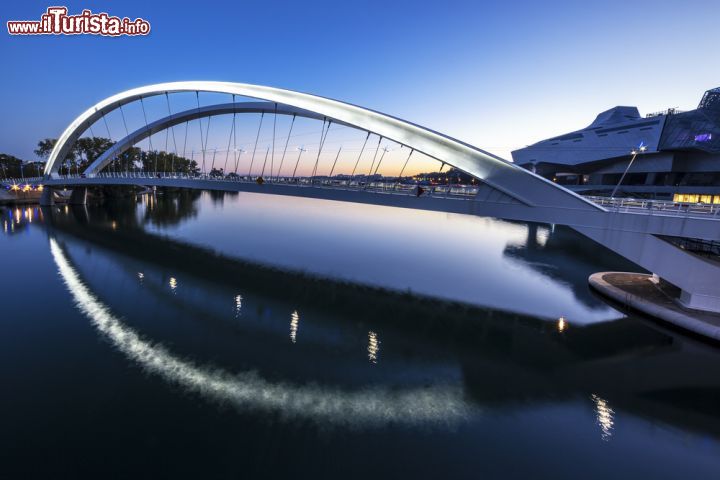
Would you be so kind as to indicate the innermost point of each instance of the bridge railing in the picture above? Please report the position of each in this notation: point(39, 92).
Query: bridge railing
point(356, 183)
point(659, 207)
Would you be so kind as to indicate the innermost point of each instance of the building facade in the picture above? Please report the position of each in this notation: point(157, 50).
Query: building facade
point(676, 154)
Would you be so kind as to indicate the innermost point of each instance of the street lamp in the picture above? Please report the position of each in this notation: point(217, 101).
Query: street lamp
point(635, 152)
point(238, 152)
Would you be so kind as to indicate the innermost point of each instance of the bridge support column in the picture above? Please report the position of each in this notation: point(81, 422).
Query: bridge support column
point(700, 301)
point(46, 199)
point(78, 196)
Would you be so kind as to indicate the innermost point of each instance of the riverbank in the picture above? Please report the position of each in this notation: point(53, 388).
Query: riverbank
point(19, 198)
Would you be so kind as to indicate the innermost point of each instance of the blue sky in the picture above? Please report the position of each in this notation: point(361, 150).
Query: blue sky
point(499, 74)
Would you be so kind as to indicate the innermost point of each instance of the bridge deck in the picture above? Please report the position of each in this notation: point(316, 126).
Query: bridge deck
point(642, 216)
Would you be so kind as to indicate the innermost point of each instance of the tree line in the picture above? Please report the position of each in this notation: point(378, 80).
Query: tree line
point(86, 150)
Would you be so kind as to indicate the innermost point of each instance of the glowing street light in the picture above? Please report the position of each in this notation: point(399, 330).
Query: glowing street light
point(635, 152)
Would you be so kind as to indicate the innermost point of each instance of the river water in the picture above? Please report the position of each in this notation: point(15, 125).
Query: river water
point(205, 335)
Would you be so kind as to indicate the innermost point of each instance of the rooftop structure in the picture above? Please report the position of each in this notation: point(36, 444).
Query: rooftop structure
point(680, 159)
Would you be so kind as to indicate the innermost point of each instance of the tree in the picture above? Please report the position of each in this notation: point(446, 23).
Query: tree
point(85, 151)
point(159, 161)
point(13, 167)
point(10, 166)
point(46, 146)
point(126, 161)
point(90, 148)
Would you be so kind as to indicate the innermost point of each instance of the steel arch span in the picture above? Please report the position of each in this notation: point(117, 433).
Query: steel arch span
point(188, 115)
point(523, 186)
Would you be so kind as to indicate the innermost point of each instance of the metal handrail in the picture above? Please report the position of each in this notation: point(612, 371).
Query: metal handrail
point(662, 207)
point(452, 191)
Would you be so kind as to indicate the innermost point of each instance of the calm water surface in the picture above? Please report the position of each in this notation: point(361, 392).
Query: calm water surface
point(202, 335)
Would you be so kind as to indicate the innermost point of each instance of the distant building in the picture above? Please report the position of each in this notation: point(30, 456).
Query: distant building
point(680, 162)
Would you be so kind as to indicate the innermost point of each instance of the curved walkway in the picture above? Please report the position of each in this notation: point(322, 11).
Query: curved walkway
point(659, 300)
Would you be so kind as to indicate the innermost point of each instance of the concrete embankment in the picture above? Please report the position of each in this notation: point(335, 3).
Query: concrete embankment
point(19, 198)
point(657, 299)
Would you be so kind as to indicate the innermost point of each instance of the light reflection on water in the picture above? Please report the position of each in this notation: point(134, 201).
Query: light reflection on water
point(441, 404)
point(605, 416)
point(294, 323)
point(373, 347)
point(238, 306)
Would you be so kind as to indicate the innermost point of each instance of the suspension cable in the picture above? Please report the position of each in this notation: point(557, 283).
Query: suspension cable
point(335, 162)
point(146, 126)
point(282, 159)
point(385, 150)
point(323, 136)
point(272, 159)
point(167, 137)
point(167, 98)
point(142, 104)
point(109, 136)
point(127, 133)
point(235, 152)
point(207, 131)
point(237, 159)
point(187, 126)
point(403, 168)
point(77, 169)
point(213, 160)
point(262, 173)
point(301, 150)
point(172, 165)
point(377, 149)
point(106, 125)
point(352, 175)
point(227, 153)
point(207, 138)
point(257, 137)
point(202, 142)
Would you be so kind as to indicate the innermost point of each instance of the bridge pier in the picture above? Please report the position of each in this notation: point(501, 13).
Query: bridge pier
point(699, 301)
point(78, 196)
point(683, 290)
point(695, 276)
point(47, 199)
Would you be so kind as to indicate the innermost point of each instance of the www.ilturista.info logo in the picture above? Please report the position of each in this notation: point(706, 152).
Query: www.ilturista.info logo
point(56, 21)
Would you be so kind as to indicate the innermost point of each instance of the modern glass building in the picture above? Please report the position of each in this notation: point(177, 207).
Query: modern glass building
point(676, 154)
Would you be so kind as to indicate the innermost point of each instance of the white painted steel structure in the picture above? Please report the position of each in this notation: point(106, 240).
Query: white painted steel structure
point(492, 170)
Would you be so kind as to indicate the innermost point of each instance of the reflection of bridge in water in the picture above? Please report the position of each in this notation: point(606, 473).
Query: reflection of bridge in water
point(556, 253)
point(670, 378)
point(653, 238)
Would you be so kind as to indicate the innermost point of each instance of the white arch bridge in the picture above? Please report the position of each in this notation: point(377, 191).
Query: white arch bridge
point(649, 234)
